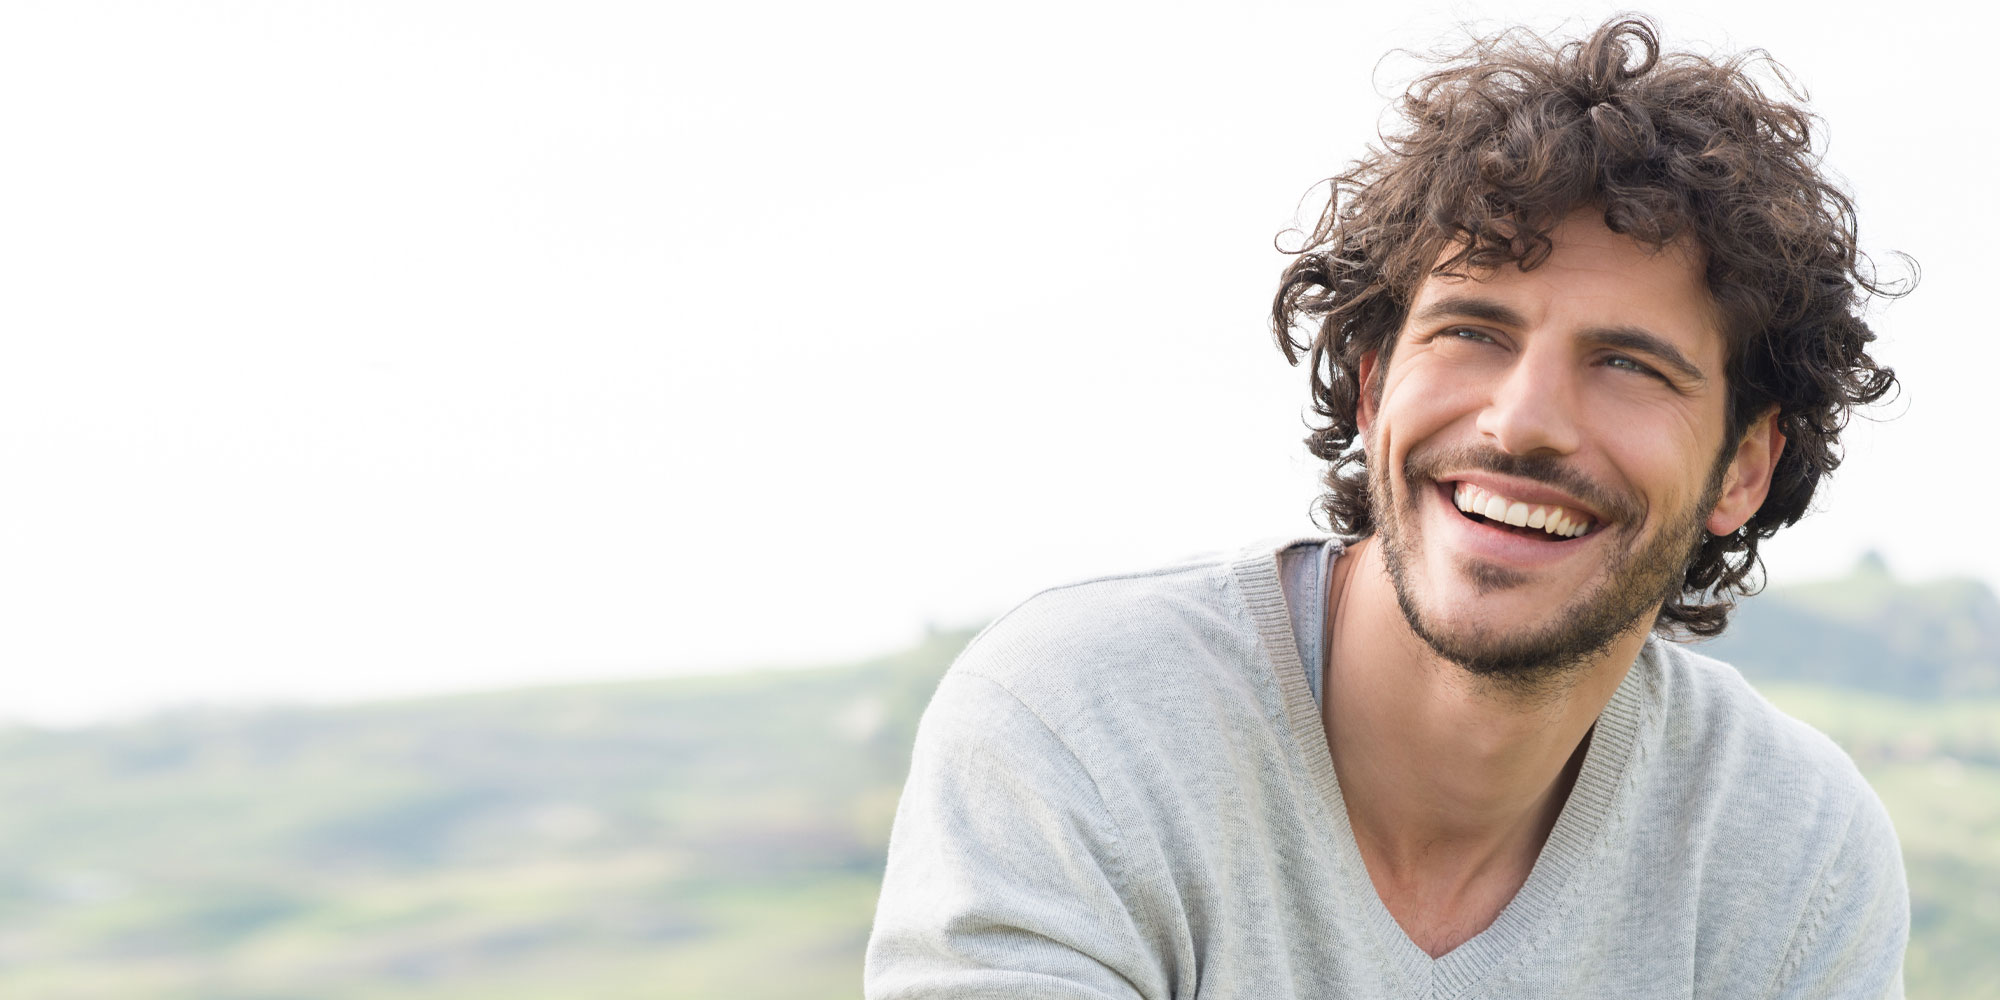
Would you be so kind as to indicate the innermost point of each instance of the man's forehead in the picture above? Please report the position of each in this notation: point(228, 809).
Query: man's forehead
point(1583, 258)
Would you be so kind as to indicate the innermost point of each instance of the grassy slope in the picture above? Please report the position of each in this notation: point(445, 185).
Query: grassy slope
point(709, 837)
point(702, 837)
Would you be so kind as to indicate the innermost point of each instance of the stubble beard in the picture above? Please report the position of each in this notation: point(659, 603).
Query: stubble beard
point(1631, 588)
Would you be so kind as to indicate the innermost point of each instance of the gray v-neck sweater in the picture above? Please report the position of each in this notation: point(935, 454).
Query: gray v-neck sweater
point(1122, 789)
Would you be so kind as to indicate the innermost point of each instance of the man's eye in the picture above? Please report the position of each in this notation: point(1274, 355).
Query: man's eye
point(1630, 365)
point(1462, 333)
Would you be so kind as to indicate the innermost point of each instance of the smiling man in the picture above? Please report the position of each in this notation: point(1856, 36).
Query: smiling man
point(1580, 337)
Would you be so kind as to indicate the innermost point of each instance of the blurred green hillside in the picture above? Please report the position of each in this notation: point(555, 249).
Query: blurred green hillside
point(722, 837)
point(702, 837)
point(1872, 632)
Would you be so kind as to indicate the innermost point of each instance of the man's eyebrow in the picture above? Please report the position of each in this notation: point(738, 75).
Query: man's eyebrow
point(1638, 340)
point(1471, 307)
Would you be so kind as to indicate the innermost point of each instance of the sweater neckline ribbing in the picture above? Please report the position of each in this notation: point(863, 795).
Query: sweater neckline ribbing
point(1580, 832)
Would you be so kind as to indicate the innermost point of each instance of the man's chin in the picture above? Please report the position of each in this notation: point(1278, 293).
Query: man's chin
point(1521, 627)
point(1510, 656)
point(1498, 628)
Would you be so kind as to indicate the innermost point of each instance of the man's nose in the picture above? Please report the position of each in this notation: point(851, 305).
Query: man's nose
point(1533, 409)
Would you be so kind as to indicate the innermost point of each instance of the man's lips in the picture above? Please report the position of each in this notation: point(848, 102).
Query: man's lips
point(1536, 498)
point(1558, 520)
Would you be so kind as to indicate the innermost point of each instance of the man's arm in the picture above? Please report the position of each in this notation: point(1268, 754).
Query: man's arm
point(1003, 877)
point(1851, 940)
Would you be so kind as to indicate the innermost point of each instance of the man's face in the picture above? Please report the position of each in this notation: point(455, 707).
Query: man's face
point(1584, 398)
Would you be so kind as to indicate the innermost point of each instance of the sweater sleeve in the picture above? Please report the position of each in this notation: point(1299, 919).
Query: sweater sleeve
point(1851, 942)
point(1003, 876)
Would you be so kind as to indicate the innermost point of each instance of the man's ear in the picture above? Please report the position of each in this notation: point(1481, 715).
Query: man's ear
point(1748, 479)
point(1367, 397)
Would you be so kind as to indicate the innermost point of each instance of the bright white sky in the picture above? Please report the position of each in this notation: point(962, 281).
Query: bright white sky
point(365, 348)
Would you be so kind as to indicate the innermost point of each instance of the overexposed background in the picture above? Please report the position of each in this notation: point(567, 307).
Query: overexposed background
point(371, 348)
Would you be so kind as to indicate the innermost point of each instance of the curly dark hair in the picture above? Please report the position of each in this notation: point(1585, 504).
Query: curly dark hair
point(1509, 136)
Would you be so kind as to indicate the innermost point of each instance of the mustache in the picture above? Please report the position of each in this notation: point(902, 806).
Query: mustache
point(1544, 469)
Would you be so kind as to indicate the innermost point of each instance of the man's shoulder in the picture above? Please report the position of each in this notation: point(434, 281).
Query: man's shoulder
point(1764, 830)
point(1186, 622)
point(1723, 741)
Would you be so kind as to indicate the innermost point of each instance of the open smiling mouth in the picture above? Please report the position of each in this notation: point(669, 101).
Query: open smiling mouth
point(1547, 522)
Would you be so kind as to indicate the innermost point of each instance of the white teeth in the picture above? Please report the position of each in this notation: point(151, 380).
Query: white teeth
point(1552, 519)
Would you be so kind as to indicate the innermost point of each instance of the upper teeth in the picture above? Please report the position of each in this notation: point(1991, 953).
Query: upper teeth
point(1494, 507)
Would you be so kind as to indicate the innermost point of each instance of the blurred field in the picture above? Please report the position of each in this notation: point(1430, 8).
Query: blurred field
point(714, 837)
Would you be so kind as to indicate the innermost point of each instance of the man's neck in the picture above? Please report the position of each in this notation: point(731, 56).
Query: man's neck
point(1452, 783)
